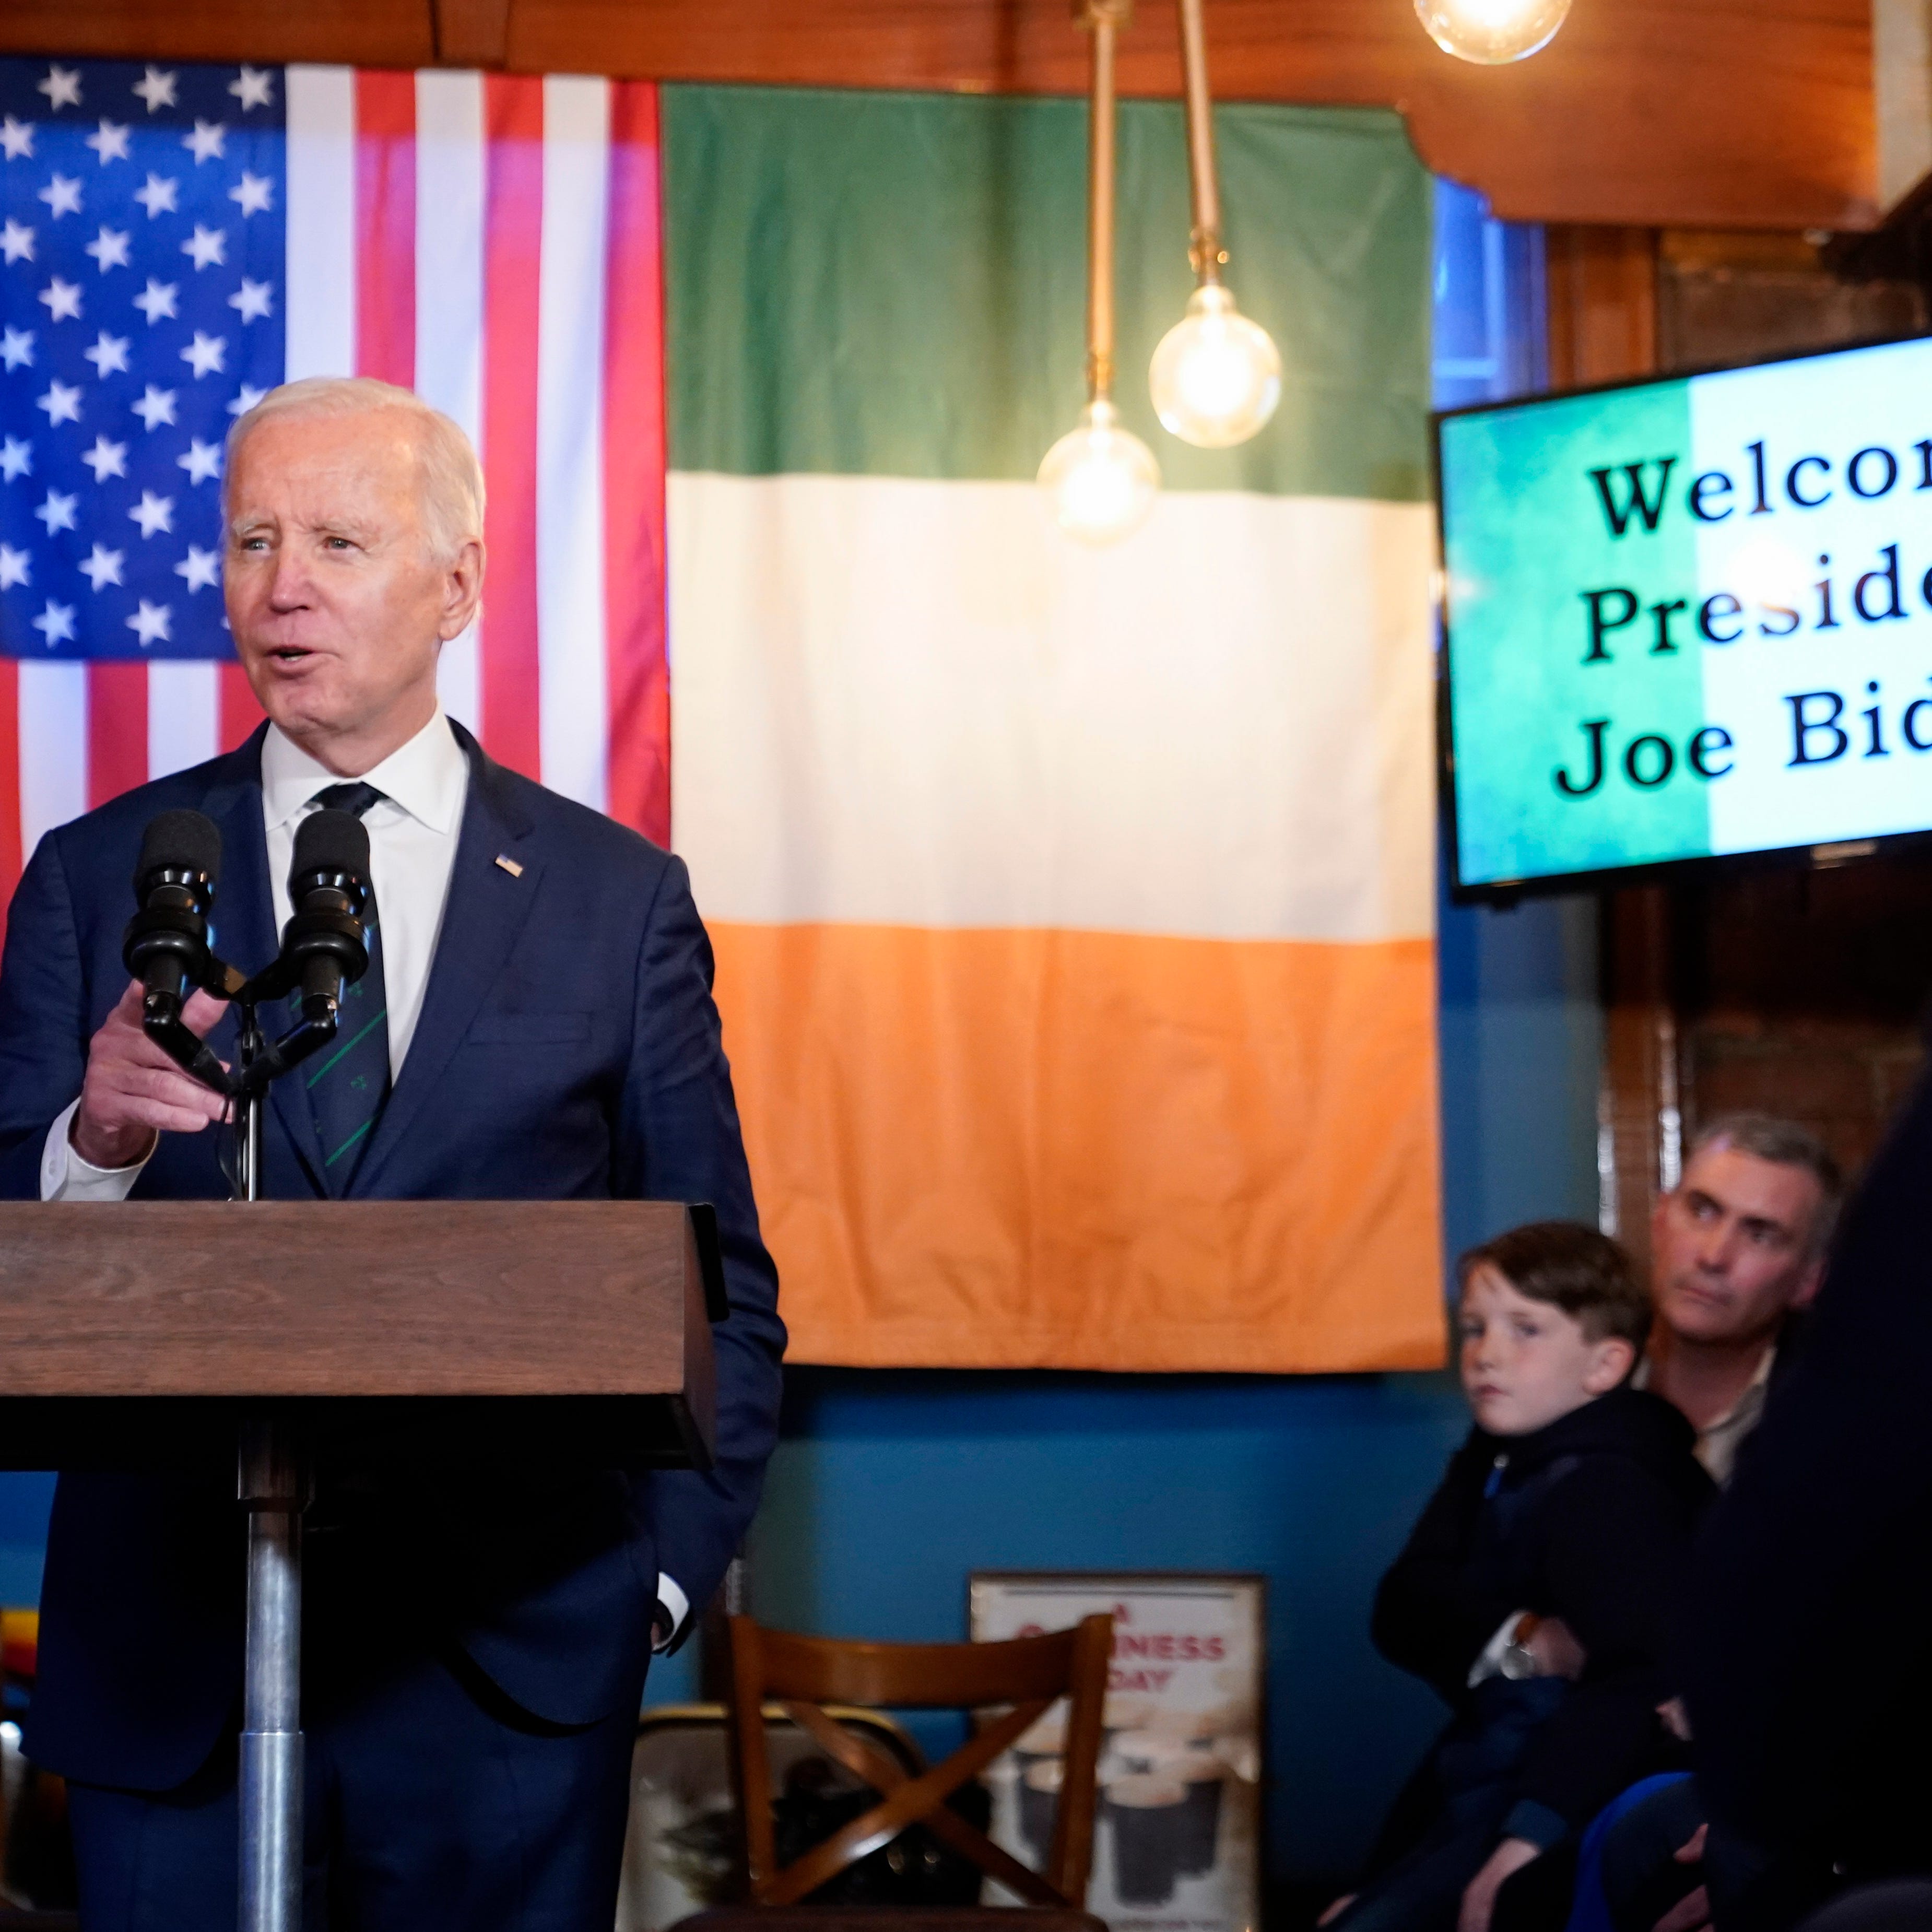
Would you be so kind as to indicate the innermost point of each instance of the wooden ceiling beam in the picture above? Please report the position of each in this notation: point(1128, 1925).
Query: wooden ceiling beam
point(359, 33)
point(1690, 113)
point(472, 33)
point(1649, 113)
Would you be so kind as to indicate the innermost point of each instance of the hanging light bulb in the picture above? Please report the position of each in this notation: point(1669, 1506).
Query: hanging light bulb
point(1215, 376)
point(1491, 32)
point(1101, 478)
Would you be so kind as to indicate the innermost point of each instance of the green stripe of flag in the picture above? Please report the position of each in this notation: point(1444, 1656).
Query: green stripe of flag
point(894, 284)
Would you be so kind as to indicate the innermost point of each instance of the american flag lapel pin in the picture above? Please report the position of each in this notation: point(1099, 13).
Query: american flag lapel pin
point(509, 864)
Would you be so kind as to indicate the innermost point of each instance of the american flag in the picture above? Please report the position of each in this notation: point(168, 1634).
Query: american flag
point(176, 239)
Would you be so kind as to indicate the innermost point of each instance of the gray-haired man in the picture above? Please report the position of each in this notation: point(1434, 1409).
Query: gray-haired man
point(1736, 1247)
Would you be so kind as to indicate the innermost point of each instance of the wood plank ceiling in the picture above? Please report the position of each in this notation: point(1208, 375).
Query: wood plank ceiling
point(1694, 113)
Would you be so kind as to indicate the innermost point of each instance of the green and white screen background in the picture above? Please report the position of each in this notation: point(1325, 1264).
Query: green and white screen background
point(1693, 617)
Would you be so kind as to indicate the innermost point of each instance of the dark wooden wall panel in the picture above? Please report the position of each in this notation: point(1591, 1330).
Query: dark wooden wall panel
point(1602, 284)
point(1681, 112)
point(363, 33)
point(1701, 113)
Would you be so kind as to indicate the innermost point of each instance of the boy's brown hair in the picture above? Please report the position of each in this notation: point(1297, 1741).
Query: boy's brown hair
point(1572, 1267)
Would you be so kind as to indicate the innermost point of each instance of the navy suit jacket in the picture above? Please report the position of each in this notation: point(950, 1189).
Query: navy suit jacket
point(568, 1049)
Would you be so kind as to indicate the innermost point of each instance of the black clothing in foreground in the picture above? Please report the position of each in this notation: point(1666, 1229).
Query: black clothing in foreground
point(1808, 1653)
point(1588, 1519)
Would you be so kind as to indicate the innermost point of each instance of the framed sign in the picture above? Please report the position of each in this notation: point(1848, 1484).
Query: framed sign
point(1176, 1844)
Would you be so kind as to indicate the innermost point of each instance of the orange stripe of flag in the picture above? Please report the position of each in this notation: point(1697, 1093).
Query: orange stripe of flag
point(1018, 1149)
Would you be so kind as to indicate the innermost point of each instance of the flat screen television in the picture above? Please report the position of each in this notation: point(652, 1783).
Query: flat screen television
point(1688, 618)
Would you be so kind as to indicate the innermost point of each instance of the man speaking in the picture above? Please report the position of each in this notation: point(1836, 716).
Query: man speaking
point(535, 1022)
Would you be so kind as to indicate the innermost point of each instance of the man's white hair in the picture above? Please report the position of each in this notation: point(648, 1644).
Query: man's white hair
point(451, 479)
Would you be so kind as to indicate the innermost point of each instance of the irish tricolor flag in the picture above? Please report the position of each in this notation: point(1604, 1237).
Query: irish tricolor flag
point(1073, 909)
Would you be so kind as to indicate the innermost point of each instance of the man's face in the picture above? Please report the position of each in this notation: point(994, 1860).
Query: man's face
point(337, 606)
point(1731, 1249)
point(1525, 1363)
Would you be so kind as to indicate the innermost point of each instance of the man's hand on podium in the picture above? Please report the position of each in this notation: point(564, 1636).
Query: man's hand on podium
point(133, 1092)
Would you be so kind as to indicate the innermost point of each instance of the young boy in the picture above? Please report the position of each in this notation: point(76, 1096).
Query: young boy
point(1533, 1594)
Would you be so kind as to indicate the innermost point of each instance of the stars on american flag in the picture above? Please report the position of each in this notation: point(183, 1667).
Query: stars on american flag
point(207, 245)
point(205, 354)
point(253, 299)
point(157, 299)
point(170, 267)
point(62, 402)
point(110, 142)
point(154, 513)
point(106, 459)
point(253, 88)
point(150, 621)
point(155, 407)
point(62, 194)
point(108, 354)
point(109, 248)
point(158, 196)
point(56, 512)
point(156, 88)
point(55, 623)
point(62, 87)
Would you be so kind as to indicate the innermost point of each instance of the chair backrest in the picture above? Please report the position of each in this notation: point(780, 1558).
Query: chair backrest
point(1026, 1675)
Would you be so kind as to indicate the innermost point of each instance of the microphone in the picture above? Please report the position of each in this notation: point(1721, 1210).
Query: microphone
point(324, 946)
point(166, 945)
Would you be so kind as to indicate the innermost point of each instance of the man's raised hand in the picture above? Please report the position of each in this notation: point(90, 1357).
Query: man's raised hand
point(133, 1092)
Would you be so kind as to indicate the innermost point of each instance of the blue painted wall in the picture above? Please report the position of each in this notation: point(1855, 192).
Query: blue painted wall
point(887, 1489)
point(24, 1503)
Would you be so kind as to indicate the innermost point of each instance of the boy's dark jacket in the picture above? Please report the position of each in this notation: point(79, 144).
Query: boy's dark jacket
point(1589, 1520)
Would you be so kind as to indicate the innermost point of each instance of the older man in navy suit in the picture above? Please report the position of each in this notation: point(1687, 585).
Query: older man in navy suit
point(536, 1023)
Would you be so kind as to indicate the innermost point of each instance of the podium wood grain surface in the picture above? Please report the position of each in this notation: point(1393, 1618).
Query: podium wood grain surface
point(579, 1316)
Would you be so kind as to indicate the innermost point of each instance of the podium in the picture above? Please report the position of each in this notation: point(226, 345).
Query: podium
point(412, 1336)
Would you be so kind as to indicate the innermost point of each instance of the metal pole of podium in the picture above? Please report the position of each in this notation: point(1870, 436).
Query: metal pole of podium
point(272, 1486)
point(271, 1739)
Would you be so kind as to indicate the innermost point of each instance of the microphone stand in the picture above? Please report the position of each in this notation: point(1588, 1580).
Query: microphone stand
point(323, 946)
point(272, 1478)
point(272, 1485)
point(251, 1045)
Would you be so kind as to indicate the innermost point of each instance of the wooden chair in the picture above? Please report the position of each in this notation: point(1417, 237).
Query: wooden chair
point(1026, 1674)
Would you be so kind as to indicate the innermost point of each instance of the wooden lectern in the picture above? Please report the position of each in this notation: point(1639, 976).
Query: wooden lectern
point(443, 1334)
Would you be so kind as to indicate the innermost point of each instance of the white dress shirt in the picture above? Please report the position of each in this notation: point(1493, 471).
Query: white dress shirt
point(412, 835)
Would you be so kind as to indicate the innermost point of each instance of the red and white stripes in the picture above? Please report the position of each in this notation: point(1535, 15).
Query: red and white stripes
point(492, 242)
